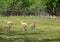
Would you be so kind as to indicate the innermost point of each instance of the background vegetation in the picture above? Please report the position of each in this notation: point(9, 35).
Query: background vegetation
point(51, 6)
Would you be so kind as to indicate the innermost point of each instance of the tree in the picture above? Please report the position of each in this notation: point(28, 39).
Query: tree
point(4, 4)
point(51, 6)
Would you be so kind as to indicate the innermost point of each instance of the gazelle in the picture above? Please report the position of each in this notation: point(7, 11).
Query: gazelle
point(24, 25)
point(33, 25)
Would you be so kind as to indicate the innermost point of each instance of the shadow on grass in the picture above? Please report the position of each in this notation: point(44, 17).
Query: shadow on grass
point(25, 33)
point(50, 40)
point(13, 33)
point(26, 39)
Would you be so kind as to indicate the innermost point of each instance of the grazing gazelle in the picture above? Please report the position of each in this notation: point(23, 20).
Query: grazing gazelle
point(33, 25)
point(24, 25)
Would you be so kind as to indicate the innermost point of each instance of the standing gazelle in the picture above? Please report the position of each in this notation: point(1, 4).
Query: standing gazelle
point(33, 25)
point(24, 25)
point(7, 27)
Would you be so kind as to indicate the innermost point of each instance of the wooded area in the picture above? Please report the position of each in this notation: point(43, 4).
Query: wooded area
point(10, 6)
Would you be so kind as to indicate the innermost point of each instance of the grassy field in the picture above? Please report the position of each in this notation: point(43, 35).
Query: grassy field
point(47, 30)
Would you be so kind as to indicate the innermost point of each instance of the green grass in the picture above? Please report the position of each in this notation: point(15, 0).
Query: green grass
point(45, 28)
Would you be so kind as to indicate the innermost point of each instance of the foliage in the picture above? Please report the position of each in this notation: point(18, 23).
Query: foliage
point(51, 3)
point(22, 4)
point(28, 4)
point(38, 5)
point(5, 4)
